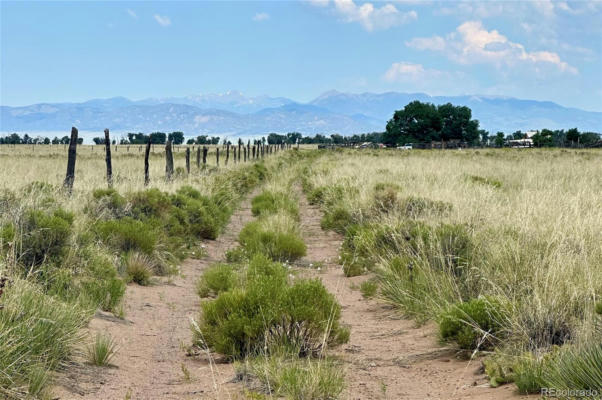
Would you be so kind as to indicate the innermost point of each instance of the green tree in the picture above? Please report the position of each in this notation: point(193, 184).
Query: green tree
point(176, 137)
point(572, 135)
point(499, 139)
point(417, 122)
point(457, 124)
point(158, 138)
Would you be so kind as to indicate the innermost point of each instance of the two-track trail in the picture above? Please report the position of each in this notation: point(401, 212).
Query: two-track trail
point(151, 361)
point(388, 357)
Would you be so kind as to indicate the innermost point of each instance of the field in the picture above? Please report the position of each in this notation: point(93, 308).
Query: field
point(320, 273)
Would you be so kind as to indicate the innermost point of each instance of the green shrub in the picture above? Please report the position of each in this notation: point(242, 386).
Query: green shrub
point(127, 234)
point(271, 202)
point(528, 374)
point(100, 283)
point(474, 324)
point(337, 219)
point(45, 236)
point(599, 308)
point(236, 255)
point(217, 279)
point(352, 269)
point(368, 288)
point(316, 196)
point(109, 200)
point(277, 245)
point(150, 203)
point(139, 268)
point(236, 322)
point(416, 207)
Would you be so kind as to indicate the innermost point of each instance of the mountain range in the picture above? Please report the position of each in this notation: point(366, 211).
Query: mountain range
point(233, 114)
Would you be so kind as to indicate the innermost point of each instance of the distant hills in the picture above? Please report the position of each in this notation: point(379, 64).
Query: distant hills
point(234, 114)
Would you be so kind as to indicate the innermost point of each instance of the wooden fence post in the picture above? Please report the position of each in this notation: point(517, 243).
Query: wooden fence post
point(245, 151)
point(217, 156)
point(168, 161)
point(227, 153)
point(253, 151)
point(108, 159)
point(204, 155)
point(146, 154)
point(198, 157)
point(239, 144)
point(234, 153)
point(188, 160)
point(249, 149)
point(70, 176)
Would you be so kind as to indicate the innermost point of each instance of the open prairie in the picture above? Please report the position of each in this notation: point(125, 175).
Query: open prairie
point(341, 273)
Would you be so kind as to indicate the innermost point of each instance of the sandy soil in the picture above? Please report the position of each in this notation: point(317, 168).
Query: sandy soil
point(389, 357)
point(151, 359)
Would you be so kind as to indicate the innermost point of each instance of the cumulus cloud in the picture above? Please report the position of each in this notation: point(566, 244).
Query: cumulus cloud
point(261, 16)
point(132, 14)
point(162, 20)
point(408, 72)
point(471, 43)
point(369, 16)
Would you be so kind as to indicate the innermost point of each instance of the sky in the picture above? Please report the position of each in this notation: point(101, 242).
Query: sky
point(75, 51)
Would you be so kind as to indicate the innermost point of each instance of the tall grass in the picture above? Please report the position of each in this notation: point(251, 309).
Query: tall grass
point(65, 256)
point(524, 228)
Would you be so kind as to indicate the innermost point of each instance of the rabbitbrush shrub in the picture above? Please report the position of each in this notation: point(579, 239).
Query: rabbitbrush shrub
point(235, 323)
point(473, 324)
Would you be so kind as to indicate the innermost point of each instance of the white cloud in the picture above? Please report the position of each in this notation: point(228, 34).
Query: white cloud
point(369, 16)
point(471, 43)
point(409, 72)
point(162, 20)
point(261, 16)
point(132, 13)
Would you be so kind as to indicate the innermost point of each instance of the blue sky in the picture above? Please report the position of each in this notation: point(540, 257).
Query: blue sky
point(75, 51)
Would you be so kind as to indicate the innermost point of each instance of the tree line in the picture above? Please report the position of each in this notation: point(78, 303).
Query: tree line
point(15, 138)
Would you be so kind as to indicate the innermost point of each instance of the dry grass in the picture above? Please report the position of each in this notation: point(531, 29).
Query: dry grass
point(535, 233)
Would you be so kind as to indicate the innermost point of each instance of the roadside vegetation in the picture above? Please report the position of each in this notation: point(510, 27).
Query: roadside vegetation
point(275, 326)
point(500, 248)
point(64, 257)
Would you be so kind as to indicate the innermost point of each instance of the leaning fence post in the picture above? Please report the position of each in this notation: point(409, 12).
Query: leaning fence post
point(168, 161)
point(188, 160)
point(70, 176)
point(108, 159)
point(146, 154)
